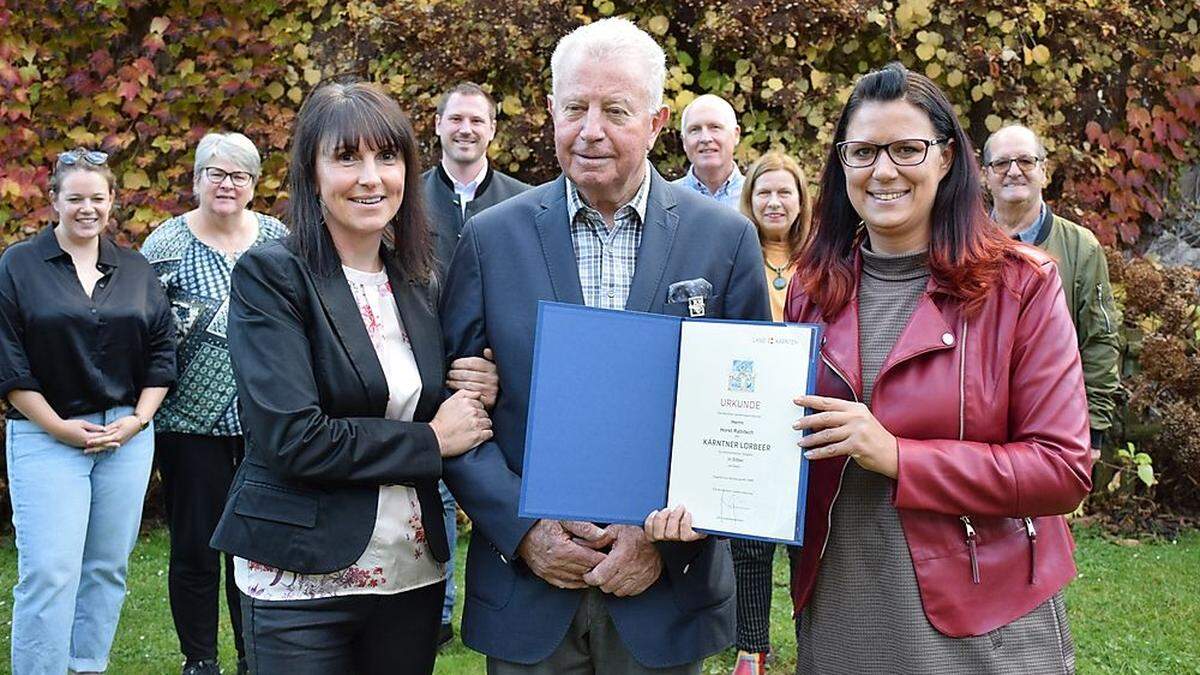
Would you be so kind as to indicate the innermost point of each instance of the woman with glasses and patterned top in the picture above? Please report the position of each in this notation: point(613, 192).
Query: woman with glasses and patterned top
point(198, 436)
point(334, 517)
point(87, 353)
point(949, 432)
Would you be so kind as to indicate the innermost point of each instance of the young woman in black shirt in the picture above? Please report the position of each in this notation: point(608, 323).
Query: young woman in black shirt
point(87, 353)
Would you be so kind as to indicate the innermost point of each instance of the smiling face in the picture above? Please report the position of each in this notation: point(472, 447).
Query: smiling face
point(603, 130)
point(775, 200)
point(895, 202)
point(223, 199)
point(465, 128)
point(1012, 186)
point(710, 134)
point(83, 202)
point(361, 190)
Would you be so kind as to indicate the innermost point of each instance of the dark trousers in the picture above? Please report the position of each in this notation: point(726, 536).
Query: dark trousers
point(196, 473)
point(351, 635)
point(752, 562)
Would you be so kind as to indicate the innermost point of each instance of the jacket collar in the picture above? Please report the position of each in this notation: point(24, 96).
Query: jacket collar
point(440, 172)
point(658, 234)
point(335, 296)
point(1044, 228)
point(925, 331)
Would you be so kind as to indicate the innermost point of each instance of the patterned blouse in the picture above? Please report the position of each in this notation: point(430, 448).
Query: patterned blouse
point(195, 277)
point(397, 557)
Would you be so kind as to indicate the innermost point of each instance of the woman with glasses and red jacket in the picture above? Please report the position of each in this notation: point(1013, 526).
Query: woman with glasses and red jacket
point(949, 432)
point(87, 353)
point(950, 429)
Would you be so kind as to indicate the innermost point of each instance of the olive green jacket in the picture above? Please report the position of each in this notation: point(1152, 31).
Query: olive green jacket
point(1084, 273)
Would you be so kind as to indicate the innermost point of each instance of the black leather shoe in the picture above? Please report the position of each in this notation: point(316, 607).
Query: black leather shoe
point(203, 667)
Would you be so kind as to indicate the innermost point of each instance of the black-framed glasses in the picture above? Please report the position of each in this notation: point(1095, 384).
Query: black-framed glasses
point(73, 157)
point(217, 176)
point(904, 152)
point(1025, 163)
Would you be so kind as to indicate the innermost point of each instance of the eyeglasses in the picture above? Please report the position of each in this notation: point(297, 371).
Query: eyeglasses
point(217, 176)
point(73, 157)
point(905, 152)
point(1002, 166)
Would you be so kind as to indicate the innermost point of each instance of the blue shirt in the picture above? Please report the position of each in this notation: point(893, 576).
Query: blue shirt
point(1029, 234)
point(729, 194)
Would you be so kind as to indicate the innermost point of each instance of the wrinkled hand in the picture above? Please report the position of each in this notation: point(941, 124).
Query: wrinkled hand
point(671, 525)
point(471, 373)
point(845, 428)
point(461, 423)
point(86, 435)
point(548, 550)
point(632, 565)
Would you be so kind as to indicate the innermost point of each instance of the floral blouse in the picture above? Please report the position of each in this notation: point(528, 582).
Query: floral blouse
point(397, 557)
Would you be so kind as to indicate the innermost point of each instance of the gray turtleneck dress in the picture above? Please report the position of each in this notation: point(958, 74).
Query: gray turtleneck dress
point(865, 613)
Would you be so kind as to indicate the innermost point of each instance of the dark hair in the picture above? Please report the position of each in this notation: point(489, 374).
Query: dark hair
point(776, 160)
point(467, 89)
point(61, 169)
point(339, 116)
point(966, 252)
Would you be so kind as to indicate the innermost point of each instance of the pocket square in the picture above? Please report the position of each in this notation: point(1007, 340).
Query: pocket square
point(693, 292)
point(682, 291)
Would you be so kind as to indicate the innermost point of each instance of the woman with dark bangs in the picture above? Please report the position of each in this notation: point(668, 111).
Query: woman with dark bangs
point(334, 516)
point(950, 431)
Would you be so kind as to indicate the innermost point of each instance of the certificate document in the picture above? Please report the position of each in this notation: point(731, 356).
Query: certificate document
point(735, 462)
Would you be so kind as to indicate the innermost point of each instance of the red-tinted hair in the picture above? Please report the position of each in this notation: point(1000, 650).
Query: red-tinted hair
point(966, 251)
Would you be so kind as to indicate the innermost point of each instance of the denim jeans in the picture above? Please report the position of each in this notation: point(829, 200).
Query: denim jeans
point(450, 513)
point(76, 518)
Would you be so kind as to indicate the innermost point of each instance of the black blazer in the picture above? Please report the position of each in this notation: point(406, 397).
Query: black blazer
point(312, 396)
point(446, 216)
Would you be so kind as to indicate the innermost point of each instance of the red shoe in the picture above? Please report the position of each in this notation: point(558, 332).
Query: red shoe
point(750, 663)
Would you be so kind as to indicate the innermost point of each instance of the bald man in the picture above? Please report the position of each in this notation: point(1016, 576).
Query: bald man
point(1014, 161)
point(710, 133)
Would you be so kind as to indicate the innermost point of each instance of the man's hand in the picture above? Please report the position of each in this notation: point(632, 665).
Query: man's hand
point(471, 373)
point(632, 565)
point(548, 550)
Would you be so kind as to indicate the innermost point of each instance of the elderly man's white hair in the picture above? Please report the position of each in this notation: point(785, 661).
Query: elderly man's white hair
point(616, 41)
point(727, 110)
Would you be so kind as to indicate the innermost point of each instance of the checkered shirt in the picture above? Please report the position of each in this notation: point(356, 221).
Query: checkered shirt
point(606, 258)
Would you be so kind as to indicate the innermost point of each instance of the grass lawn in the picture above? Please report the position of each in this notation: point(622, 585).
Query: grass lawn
point(1133, 609)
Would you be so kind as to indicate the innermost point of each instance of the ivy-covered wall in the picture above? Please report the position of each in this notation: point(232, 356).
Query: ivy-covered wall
point(1113, 85)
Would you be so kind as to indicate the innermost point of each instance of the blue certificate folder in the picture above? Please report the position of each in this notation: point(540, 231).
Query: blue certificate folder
point(601, 415)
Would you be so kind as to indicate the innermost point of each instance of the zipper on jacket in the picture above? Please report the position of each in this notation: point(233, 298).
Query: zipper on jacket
point(1032, 532)
point(1100, 299)
point(971, 546)
point(842, 475)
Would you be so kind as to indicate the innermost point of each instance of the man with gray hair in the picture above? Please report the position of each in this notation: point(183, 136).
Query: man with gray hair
point(710, 134)
point(563, 597)
point(1014, 161)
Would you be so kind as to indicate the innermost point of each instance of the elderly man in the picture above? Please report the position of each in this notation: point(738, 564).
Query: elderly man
point(710, 133)
point(558, 597)
point(463, 184)
point(1015, 171)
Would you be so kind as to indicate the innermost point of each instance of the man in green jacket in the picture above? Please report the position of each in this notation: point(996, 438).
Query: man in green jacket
point(1014, 161)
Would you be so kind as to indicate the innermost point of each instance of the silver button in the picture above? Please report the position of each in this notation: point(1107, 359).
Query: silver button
point(687, 567)
point(947, 339)
point(503, 559)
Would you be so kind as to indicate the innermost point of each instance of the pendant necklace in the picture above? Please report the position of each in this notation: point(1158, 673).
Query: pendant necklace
point(778, 282)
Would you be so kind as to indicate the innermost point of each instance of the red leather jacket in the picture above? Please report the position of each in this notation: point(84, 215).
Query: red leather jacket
point(992, 426)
